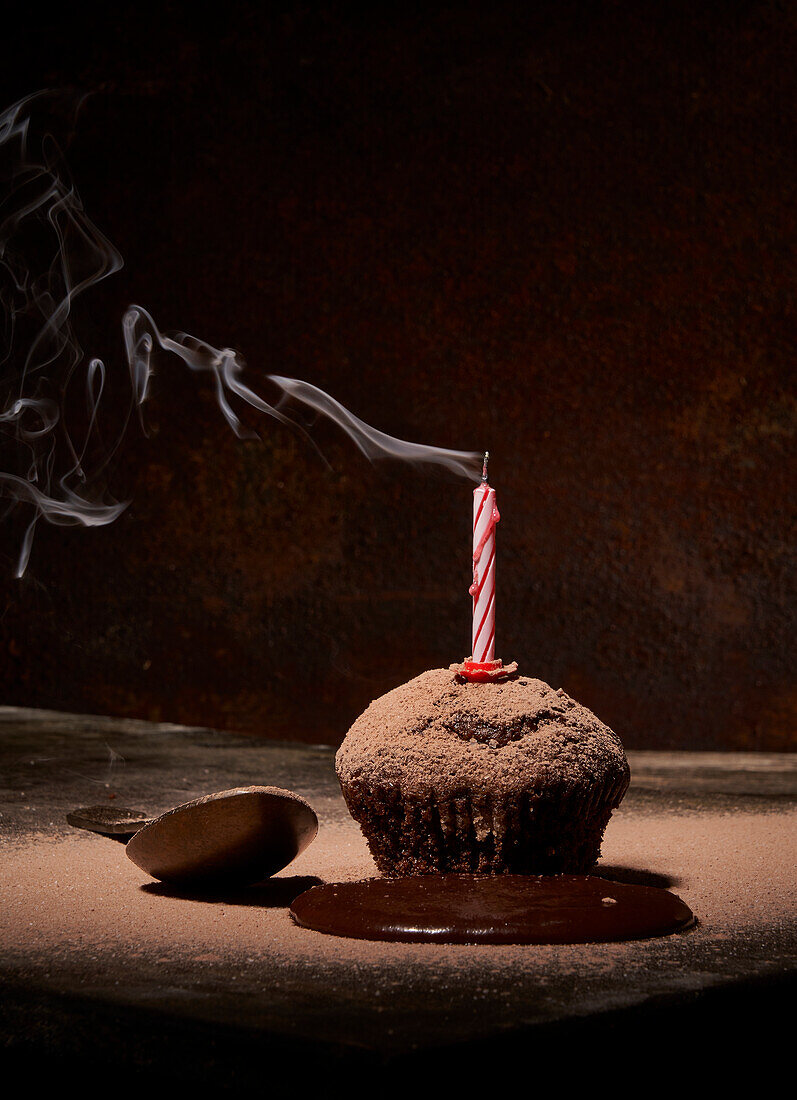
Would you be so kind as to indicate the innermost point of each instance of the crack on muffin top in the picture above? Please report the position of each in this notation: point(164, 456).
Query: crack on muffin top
point(474, 727)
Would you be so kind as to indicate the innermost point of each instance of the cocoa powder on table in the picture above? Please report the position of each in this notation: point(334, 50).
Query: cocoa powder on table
point(70, 898)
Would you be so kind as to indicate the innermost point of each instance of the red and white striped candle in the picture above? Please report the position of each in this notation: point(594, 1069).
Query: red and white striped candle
point(485, 517)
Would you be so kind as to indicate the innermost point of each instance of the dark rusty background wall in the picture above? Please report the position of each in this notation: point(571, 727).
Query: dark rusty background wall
point(561, 231)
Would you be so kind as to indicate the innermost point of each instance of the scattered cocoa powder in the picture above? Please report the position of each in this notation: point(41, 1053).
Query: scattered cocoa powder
point(67, 897)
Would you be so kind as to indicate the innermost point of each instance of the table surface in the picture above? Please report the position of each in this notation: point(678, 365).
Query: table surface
point(99, 964)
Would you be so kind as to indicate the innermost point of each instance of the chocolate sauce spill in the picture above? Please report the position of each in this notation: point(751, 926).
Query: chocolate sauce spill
point(491, 909)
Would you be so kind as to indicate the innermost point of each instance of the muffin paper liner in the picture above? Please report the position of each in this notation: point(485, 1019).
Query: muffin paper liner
point(543, 830)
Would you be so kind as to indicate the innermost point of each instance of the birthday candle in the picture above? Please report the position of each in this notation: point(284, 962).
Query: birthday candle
point(485, 517)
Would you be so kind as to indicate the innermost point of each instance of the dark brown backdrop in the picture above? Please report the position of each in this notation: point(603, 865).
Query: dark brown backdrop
point(561, 231)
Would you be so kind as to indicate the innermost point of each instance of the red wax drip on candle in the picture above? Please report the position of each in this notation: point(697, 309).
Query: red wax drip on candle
point(483, 587)
point(477, 553)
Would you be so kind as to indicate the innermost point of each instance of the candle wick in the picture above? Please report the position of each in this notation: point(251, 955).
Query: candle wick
point(484, 467)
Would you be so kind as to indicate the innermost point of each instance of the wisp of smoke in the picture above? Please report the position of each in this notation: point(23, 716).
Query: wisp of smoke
point(50, 253)
point(373, 443)
point(141, 335)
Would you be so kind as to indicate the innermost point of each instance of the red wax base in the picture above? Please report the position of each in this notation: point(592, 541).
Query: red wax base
point(482, 672)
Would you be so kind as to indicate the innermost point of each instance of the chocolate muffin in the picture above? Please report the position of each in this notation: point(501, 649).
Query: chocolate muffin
point(446, 775)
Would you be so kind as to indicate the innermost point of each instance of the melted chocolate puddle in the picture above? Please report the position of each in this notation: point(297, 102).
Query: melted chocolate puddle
point(491, 909)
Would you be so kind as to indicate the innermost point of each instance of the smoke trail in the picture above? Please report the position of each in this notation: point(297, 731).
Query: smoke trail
point(50, 254)
point(373, 443)
point(141, 335)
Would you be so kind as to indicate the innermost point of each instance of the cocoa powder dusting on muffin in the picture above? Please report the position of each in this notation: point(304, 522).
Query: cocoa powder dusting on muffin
point(452, 736)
